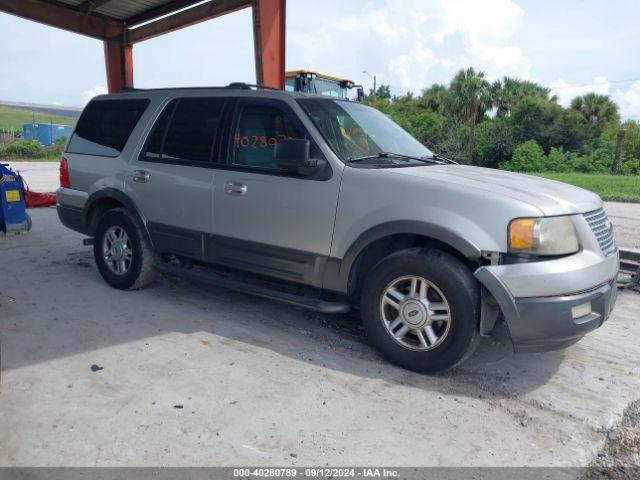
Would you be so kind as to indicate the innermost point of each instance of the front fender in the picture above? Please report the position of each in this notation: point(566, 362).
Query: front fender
point(338, 271)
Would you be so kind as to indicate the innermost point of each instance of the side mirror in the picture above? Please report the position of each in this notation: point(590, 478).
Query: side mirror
point(293, 155)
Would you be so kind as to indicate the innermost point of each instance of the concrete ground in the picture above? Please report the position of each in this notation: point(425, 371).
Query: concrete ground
point(626, 223)
point(43, 177)
point(40, 176)
point(184, 374)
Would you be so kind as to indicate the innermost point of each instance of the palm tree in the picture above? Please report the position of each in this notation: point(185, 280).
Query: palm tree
point(469, 98)
point(434, 98)
point(509, 92)
point(597, 109)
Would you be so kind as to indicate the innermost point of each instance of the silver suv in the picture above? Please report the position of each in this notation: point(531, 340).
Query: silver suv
point(327, 204)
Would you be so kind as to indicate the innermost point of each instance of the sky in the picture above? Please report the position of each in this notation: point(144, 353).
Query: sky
point(571, 46)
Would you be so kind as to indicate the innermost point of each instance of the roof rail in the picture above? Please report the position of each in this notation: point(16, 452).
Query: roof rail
point(232, 85)
point(239, 85)
point(249, 86)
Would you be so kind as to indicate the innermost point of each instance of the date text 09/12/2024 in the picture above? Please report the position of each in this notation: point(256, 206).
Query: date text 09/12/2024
point(319, 472)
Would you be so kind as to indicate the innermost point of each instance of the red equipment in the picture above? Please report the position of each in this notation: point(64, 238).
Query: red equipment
point(35, 199)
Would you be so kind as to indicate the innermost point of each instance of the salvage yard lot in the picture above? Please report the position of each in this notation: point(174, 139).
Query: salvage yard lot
point(192, 375)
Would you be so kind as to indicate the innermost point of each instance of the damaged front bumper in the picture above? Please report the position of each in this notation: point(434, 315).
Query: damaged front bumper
point(540, 314)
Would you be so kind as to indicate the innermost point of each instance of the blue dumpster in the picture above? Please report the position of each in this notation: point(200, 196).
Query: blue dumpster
point(45, 133)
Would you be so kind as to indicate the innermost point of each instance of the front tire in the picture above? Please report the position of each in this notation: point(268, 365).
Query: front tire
point(421, 309)
point(121, 251)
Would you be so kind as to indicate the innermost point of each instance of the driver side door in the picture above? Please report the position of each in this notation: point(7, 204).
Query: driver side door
point(269, 221)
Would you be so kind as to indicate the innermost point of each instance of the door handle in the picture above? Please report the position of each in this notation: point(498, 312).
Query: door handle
point(140, 176)
point(235, 188)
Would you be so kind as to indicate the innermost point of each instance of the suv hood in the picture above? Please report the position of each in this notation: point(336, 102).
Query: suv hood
point(549, 196)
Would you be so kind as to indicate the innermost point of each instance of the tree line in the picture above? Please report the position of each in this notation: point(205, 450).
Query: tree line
point(516, 125)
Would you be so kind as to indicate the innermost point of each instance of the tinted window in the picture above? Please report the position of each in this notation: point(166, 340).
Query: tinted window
point(258, 130)
point(105, 126)
point(154, 147)
point(186, 131)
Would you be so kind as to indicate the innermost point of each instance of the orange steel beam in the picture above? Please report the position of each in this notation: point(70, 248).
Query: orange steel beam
point(269, 26)
point(64, 16)
point(185, 18)
point(118, 58)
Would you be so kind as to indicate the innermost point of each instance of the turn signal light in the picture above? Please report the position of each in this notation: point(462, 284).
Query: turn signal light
point(521, 234)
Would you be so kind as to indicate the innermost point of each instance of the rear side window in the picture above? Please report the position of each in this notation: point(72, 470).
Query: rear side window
point(186, 131)
point(105, 126)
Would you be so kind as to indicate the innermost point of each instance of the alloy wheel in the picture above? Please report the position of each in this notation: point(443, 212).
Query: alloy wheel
point(415, 313)
point(117, 250)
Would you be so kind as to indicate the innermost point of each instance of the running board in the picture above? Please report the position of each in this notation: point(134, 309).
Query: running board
point(213, 278)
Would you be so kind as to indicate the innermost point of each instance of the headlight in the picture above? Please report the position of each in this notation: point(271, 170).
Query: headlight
point(543, 236)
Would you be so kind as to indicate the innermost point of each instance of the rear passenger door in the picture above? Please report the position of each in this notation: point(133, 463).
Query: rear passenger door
point(171, 181)
point(266, 220)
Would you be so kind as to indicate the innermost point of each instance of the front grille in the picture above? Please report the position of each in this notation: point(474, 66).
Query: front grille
point(601, 228)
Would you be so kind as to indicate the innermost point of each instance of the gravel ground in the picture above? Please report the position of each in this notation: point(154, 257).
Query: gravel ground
point(620, 456)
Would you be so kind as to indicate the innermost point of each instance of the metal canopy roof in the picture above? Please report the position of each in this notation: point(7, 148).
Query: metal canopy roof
point(118, 9)
point(131, 12)
point(129, 21)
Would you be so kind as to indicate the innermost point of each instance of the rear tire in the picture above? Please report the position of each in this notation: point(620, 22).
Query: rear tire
point(421, 310)
point(122, 253)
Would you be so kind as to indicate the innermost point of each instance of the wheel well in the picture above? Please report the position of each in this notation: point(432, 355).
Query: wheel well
point(97, 209)
point(383, 247)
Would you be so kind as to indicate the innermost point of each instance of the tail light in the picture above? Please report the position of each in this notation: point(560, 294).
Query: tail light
point(64, 174)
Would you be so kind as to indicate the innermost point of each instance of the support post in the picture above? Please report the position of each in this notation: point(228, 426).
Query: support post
point(118, 58)
point(269, 25)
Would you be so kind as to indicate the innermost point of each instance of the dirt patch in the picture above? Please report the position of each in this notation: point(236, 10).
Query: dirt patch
point(620, 457)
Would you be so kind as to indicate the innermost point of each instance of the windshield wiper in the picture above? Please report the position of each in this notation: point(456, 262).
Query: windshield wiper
point(394, 155)
point(368, 157)
point(443, 159)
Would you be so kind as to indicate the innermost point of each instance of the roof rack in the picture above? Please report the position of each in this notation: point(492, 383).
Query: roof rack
point(232, 86)
point(249, 86)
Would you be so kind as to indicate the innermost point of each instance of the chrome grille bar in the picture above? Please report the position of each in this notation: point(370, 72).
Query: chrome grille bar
point(601, 228)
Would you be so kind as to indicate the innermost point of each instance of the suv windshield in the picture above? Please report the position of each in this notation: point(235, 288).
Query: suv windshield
point(356, 131)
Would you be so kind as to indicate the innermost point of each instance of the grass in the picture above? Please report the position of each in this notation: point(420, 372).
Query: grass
point(13, 118)
point(611, 188)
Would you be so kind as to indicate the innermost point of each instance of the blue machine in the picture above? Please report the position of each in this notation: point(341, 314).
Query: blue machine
point(13, 213)
point(45, 133)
